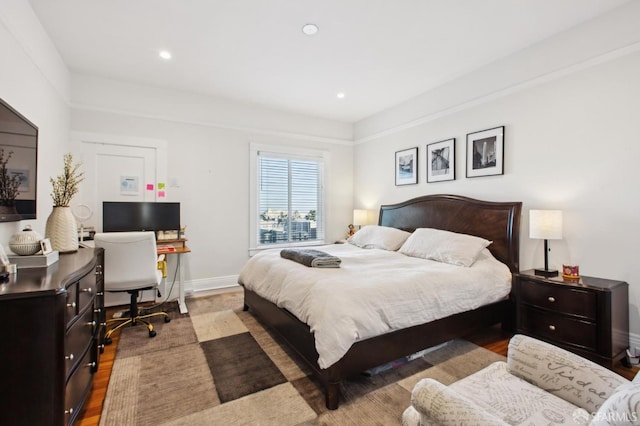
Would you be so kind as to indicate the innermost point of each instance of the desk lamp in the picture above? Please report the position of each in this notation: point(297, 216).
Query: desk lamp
point(545, 225)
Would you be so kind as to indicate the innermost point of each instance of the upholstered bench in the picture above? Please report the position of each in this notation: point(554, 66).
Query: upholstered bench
point(540, 384)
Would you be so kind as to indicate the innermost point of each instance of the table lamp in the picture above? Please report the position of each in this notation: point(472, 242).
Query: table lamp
point(360, 217)
point(545, 225)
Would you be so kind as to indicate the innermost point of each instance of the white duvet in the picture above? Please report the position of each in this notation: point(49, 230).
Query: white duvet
point(373, 292)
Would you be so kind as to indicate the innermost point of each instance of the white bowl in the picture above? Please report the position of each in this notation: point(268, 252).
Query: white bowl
point(25, 249)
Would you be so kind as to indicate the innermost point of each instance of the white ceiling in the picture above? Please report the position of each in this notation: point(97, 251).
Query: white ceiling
point(378, 52)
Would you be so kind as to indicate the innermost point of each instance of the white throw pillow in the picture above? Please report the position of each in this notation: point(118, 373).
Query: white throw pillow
point(380, 237)
point(444, 246)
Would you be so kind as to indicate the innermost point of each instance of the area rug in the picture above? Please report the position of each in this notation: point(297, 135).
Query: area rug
point(218, 365)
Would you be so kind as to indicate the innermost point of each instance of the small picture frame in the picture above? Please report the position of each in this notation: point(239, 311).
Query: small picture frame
point(485, 152)
point(407, 167)
point(45, 245)
point(441, 161)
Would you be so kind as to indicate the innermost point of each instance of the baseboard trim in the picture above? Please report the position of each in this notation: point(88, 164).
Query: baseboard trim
point(192, 288)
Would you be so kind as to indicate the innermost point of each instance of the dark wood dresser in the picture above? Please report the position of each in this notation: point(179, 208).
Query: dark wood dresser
point(589, 317)
point(51, 326)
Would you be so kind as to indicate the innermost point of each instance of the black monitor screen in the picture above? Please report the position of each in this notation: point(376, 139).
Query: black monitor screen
point(121, 216)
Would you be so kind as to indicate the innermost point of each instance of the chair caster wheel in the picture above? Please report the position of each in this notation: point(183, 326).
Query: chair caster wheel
point(108, 341)
point(152, 333)
point(167, 319)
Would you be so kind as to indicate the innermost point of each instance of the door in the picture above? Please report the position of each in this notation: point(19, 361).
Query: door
point(117, 173)
point(117, 169)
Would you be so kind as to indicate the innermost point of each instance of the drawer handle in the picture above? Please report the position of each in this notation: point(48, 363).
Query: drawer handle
point(69, 357)
point(100, 293)
point(91, 364)
point(101, 346)
point(103, 324)
point(551, 299)
point(91, 323)
point(71, 305)
point(97, 311)
point(88, 290)
point(69, 411)
point(552, 327)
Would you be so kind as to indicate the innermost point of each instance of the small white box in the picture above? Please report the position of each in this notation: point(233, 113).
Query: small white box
point(34, 261)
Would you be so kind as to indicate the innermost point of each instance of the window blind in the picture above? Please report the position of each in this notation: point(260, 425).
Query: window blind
point(290, 199)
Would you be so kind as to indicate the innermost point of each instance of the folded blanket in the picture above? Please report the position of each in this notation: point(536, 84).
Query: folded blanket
point(312, 258)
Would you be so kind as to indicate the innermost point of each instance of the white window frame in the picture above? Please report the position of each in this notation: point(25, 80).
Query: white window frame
point(254, 180)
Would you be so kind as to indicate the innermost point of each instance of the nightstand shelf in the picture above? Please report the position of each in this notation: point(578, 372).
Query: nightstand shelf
point(589, 317)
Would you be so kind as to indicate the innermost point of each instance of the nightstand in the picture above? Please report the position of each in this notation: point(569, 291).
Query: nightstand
point(589, 317)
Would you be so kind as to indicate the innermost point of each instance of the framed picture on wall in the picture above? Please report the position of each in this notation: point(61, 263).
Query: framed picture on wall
point(407, 167)
point(441, 161)
point(485, 152)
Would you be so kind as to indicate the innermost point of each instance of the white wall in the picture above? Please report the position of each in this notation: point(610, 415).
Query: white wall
point(35, 82)
point(209, 159)
point(571, 144)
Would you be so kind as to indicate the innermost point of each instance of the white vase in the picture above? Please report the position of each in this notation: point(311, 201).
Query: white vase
point(61, 230)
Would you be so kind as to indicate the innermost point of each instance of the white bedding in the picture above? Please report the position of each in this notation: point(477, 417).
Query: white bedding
point(373, 292)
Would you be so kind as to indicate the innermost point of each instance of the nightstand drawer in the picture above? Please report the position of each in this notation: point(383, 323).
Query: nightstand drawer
point(559, 328)
point(568, 300)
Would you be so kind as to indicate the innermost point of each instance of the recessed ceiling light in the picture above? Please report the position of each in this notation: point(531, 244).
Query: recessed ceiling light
point(310, 29)
point(340, 95)
point(165, 54)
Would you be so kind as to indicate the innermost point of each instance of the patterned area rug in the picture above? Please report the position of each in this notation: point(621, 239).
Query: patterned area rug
point(218, 365)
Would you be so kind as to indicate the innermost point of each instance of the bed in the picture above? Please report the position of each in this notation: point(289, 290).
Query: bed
point(498, 222)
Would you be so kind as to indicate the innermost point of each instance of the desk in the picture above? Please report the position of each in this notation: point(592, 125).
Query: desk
point(176, 247)
point(169, 247)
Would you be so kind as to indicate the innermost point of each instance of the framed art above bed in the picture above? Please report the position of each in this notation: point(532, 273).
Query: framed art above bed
point(495, 222)
point(441, 161)
point(407, 167)
point(485, 152)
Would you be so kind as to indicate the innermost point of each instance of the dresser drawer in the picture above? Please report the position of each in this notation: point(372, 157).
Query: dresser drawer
point(71, 303)
point(86, 290)
point(78, 338)
point(568, 300)
point(77, 388)
point(558, 328)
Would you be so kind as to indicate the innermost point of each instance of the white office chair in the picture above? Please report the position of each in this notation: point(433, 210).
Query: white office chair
point(131, 265)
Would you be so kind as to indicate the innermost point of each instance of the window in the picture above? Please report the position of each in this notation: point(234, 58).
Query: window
point(289, 198)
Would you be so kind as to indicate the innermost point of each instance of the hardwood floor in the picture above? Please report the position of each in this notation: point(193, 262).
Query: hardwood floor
point(493, 339)
point(90, 415)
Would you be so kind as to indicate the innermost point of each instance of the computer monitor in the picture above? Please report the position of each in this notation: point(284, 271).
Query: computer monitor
point(122, 216)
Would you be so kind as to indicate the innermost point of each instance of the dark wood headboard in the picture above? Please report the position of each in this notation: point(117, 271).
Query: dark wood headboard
point(497, 222)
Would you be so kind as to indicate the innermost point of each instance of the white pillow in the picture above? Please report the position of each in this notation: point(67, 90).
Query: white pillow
point(444, 246)
point(380, 237)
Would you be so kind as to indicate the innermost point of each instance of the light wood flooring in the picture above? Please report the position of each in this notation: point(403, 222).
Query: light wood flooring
point(493, 339)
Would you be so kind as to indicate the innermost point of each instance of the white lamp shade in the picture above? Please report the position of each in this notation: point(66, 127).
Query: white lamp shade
point(545, 224)
point(360, 217)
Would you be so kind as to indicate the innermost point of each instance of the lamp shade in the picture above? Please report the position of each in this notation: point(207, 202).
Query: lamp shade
point(545, 224)
point(360, 217)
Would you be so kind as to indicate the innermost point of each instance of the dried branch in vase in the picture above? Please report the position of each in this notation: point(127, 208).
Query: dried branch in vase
point(65, 186)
